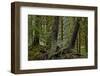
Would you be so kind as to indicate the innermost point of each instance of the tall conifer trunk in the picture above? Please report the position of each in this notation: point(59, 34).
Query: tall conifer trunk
point(75, 33)
point(36, 32)
point(54, 35)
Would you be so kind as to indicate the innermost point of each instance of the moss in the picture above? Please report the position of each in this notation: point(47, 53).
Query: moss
point(36, 52)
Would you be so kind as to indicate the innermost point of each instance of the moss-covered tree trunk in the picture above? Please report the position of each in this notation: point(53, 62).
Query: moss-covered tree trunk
point(54, 35)
point(75, 33)
point(36, 32)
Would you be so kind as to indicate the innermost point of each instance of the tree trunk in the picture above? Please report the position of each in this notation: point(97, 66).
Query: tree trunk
point(30, 31)
point(62, 29)
point(79, 41)
point(86, 37)
point(74, 34)
point(54, 35)
point(77, 45)
point(36, 32)
point(86, 44)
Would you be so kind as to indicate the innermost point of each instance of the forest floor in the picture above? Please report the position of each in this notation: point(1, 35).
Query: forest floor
point(41, 53)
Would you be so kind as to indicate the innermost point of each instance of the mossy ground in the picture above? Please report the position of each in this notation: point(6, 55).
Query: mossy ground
point(40, 53)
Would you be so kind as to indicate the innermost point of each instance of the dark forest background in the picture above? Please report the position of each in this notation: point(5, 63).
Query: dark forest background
point(57, 37)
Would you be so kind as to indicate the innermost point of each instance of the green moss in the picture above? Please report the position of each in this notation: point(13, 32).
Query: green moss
point(36, 52)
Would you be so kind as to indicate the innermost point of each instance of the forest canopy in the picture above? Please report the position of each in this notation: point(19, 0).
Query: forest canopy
point(57, 37)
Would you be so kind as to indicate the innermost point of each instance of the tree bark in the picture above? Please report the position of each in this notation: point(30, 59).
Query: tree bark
point(75, 33)
point(54, 35)
point(79, 41)
point(62, 29)
point(86, 44)
point(36, 32)
point(30, 31)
